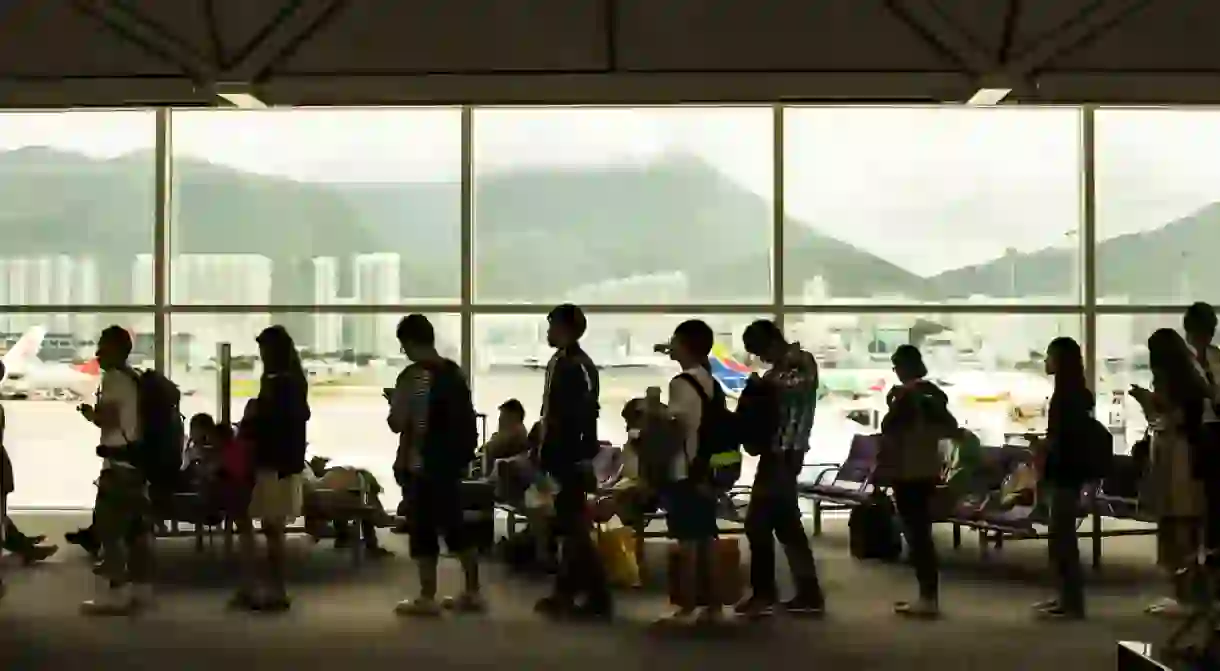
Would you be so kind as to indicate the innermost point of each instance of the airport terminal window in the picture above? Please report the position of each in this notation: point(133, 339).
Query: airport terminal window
point(1158, 206)
point(511, 354)
point(50, 368)
point(372, 199)
point(349, 360)
point(79, 206)
point(931, 205)
point(1122, 360)
point(623, 206)
point(990, 365)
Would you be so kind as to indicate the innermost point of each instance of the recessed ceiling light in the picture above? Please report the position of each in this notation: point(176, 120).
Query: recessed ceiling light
point(988, 96)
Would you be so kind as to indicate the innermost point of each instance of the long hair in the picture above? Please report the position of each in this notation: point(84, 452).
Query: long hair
point(1069, 364)
point(280, 355)
point(1173, 370)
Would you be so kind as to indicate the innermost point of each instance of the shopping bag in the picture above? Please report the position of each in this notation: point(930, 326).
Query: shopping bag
point(727, 581)
point(616, 547)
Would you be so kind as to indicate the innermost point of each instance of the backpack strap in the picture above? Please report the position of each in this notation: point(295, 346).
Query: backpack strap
point(690, 379)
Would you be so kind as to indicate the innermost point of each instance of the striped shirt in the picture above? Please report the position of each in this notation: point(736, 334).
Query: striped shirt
point(795, 380)
point(409, 414)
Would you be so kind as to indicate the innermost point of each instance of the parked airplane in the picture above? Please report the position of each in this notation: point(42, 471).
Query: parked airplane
point(26, 375)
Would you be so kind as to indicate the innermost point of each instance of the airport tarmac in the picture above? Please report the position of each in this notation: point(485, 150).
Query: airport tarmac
point(52, 446)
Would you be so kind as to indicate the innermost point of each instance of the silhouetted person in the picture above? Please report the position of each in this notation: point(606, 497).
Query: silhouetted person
point(122, 509)
point(1199, 324)
point(568, 444)
point(1068, 430)
point(917, 419)
point(774, 513)
point(432, 412)
point(275, 424)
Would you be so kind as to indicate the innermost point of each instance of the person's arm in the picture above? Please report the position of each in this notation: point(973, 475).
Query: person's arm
point(409, 406)
point(571, 408)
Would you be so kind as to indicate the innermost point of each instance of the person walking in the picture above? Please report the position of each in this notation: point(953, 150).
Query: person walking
point(774, 513)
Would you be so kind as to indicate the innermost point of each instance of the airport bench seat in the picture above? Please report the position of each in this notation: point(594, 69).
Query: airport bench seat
point(840, 486)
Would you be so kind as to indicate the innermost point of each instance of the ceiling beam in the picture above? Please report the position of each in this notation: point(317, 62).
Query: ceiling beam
point(127, 24)
point(1091, 23)
point(942, 34)
point(299, 21)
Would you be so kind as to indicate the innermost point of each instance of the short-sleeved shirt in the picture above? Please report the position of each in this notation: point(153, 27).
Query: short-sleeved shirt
point(119, 389)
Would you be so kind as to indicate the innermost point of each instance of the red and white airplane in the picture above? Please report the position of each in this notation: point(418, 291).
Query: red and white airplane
point(26, 376)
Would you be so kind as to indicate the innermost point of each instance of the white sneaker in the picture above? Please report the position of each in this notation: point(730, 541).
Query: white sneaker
point(920, 608)
point(1168, 607)
point(421, 607)
point(109, 601)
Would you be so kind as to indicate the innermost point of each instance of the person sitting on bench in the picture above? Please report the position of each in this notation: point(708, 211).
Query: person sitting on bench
point(344, 479)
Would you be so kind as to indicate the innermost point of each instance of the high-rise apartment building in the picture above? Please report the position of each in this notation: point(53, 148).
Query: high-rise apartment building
point(376, 281)
point(327, 327)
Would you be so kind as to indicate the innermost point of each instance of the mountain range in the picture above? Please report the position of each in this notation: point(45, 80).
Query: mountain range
point(539, 233)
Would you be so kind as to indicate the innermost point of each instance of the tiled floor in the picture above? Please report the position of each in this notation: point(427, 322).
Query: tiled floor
point(342, 618)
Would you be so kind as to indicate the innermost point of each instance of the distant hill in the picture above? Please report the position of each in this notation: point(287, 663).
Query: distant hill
point(1172, 264)
point(539, 232)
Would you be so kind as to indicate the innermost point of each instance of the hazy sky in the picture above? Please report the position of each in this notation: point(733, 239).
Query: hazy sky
point(913, 185)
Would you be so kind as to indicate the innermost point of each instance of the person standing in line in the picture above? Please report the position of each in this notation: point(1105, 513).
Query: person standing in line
point(432, 412)
point(917, 419)
point(1069, 420)
point(1175, 408)
point(689, 501)
point(774, 510)
point(567, 446)
point(122, 511)
point(1199, 324)
point(275, 423)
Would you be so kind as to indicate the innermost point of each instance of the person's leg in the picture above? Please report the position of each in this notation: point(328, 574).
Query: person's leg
point(424, 546)
point(274, 531)
point(580, 567)
point(913, 501)
point(458, 540)
point(247, 595)
point(112, 520)
point(790, 532)
point(764, 592)
point(1065, 553)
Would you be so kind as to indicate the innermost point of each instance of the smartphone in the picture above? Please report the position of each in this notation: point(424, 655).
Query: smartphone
point(661, 348)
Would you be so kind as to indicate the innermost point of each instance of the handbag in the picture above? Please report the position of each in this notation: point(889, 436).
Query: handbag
point(616, 548)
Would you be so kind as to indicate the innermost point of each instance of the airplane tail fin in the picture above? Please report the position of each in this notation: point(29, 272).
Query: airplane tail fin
point(90, 367)
point(26, 348)
point(730, 373)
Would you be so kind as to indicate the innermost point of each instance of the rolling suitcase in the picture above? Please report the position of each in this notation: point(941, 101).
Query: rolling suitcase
point(727, 578)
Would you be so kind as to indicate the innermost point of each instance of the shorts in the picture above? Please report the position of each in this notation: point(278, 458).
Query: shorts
point(690, 512)
point(276, 500)
point(435, 511)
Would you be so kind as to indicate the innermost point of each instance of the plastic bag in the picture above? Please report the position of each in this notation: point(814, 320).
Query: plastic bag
point(616, 547)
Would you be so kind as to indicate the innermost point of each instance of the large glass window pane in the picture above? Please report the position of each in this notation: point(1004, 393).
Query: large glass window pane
point(316, 207)
point(931, 205)
point(990, 365)
point(349, 360)
point(1122, 360)
point(1158, 206)
point(511, 354)
point(79, 206)
point(50, 368)
point(623, 206)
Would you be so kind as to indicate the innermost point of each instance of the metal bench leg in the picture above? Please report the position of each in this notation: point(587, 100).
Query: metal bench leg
point(358, 539)
point(999, 540)
point(198, 536)
point(983, 541)
point(511, 529)
point(817, 517)
point(1096, 538)
point(957, 536)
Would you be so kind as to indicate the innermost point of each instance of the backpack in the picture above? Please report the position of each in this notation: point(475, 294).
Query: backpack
point(1097, 452)
point(873, 531)
point(719, 445)
point(452, 421)
point(158, 453)
point(660, 442)
point(757, 416)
